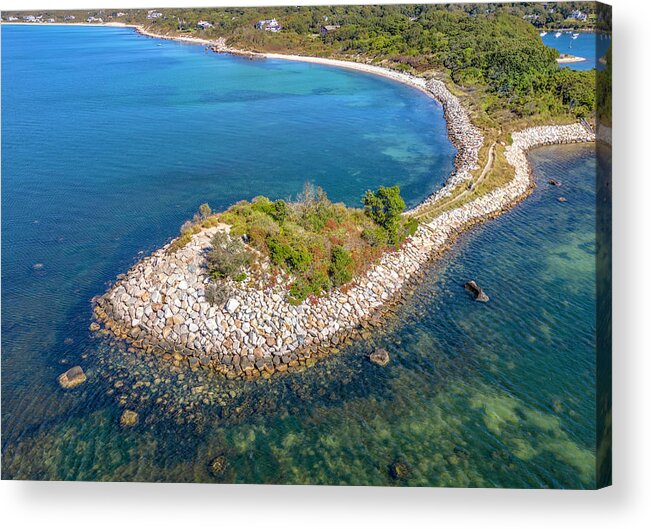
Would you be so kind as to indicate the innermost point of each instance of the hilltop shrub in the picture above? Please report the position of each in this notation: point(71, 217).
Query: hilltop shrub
point(313, 284)
point(315, 209)
point(290, 253)
point(228, 256)
point(210, 222)
point(279, 211)
point(341, 266)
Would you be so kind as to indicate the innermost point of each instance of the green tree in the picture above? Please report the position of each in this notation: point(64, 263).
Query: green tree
point(385, 207)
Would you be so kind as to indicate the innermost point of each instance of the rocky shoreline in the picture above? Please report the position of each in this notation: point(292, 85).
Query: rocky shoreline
point(160, 304)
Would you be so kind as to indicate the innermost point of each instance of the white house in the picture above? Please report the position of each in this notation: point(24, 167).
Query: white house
point(578, 15)
point(269, 25)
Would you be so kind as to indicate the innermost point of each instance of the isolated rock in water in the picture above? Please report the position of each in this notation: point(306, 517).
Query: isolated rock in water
point(380, 357)
point(553, 182)
point(218, 465)
point(232, 305)
point(562, 199)
point(476, 291)
point(94, 326)
point(72, 378)
point(129, 418)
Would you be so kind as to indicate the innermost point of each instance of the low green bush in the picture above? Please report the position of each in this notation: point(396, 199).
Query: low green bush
point(180, 242)
point(341, 266)
point(313, 284)
point(376, 236)
point(290, 253)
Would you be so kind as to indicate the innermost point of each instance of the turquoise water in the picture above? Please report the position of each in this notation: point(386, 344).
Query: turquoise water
point(589, 45)
point(500, 394)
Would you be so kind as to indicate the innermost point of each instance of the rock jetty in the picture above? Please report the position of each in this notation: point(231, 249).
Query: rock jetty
point(160, 304)
point(467, 139)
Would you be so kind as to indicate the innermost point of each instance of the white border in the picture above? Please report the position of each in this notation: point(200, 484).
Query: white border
point(626, 504)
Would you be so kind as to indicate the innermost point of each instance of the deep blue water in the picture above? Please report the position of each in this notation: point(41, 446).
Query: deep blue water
point(111, 140)
point(589, 45)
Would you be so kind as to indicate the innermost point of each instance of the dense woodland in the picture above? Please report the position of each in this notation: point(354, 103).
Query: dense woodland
point(491, 51)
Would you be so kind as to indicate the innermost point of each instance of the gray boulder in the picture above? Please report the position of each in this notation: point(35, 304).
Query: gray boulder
point(479, 295)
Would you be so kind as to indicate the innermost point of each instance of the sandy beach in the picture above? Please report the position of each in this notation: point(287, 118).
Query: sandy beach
point(568, 59)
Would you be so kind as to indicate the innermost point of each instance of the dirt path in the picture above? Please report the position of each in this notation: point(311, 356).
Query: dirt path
point(487, 169)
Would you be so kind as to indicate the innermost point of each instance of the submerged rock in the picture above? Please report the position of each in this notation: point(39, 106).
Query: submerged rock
point(72, 378)
point(380, 357)
point(553, 182)
point(472, 287)
point(129, 418)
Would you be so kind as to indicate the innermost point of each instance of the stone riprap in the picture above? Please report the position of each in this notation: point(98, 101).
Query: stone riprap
point(160, 303)
point(467, 139)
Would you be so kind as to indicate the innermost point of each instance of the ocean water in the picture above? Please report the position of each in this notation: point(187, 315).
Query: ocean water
point(589, 45)
point(110, 141)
